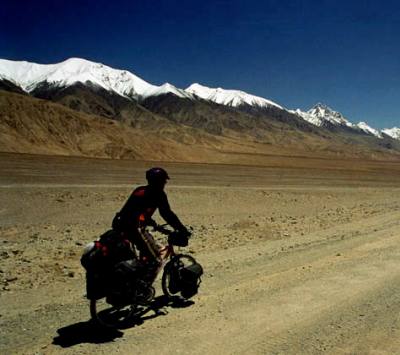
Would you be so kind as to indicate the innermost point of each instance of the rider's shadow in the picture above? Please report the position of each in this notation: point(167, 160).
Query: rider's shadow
point(91, 332)
point(85, 332)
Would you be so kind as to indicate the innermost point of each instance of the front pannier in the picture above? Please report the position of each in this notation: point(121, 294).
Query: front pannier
point(190, 279)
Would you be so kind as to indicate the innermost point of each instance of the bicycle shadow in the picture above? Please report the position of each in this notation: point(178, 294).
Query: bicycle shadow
point(158, 308)
point(173, 302)
point(92, 332)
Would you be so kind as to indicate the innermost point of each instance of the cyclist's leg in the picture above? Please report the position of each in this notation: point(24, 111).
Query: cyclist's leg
point(149, 252)
point(147, 245)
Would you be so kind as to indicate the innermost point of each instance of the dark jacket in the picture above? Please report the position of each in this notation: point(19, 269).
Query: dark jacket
point(140, 207)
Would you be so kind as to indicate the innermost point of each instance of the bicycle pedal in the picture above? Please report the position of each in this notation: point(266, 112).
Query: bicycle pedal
point(146, 295)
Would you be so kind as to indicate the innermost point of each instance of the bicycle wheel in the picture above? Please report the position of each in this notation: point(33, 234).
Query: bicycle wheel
point(170, 278)
point(111, 316)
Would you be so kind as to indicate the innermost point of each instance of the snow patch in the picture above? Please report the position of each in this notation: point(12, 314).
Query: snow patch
point(367, 129)
point(232, 98)
point(392, 132)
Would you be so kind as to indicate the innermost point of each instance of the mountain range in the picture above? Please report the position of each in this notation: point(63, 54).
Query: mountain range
point(181, 124)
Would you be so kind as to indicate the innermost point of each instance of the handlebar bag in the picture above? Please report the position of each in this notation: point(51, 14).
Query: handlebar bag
point(178, 239)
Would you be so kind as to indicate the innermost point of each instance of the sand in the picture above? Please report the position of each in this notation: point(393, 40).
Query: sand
point(300, 256)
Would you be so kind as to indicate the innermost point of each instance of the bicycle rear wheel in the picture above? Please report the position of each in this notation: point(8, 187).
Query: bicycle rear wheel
point(170, 277)
point(111, 316)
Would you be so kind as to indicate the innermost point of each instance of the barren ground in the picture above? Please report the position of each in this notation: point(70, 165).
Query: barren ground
point(301, 256)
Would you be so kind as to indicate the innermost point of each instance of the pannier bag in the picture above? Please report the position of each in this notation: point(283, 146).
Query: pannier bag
point(96, 285)
point(123, 281)
point(100, 257)
point(102, 254)
point(93, 257)
point(125, 275)
point(175, 280)
point(190, 279)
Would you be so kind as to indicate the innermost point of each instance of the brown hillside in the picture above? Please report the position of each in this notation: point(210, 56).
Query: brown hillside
point(31, 125)
point(35, 126)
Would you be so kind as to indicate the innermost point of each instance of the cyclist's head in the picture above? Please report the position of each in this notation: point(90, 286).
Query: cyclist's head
point(157, 177)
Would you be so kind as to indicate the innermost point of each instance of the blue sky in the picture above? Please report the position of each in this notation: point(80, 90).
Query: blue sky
point(345, 54)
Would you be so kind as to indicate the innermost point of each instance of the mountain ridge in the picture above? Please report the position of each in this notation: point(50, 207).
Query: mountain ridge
point(173, 118)
point(29, 75)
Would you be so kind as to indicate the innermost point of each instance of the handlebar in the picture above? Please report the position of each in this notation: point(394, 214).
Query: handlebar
point(161, 228)
point(175, 237)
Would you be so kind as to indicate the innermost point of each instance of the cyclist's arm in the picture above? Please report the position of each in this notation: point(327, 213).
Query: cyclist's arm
point(170, 217)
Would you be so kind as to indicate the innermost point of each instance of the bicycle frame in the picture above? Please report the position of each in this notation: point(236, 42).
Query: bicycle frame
point(166, 253)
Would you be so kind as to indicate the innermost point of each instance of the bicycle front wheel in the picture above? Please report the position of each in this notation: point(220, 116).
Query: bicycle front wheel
point(170, 278)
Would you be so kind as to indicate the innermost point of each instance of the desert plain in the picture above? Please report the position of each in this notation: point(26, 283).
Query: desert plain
point(301, 256)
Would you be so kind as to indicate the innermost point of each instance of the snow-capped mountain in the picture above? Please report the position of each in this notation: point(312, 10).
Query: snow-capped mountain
point(31, 76)
point(232, 98)
point(367, 129)
point(392, 132)
point(326, 114)
point(321, 114)
point(75, 70)
point(316, 121)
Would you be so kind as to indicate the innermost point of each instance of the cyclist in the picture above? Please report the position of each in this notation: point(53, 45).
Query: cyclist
point(137, 213)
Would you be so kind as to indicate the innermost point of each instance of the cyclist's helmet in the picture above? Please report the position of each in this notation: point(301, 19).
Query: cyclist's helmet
point(156, 175)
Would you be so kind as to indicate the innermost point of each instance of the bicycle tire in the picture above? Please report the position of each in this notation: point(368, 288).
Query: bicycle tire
point(110, 316)
point(181, 260)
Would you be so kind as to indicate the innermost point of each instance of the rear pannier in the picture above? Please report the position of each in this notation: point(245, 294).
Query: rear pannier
point(104, 253)
point(99, 259)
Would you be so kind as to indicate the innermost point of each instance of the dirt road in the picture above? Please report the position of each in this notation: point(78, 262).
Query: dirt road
point(297, 261)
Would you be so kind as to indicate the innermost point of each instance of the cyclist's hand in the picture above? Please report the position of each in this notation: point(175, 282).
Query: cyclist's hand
point(184, 232)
